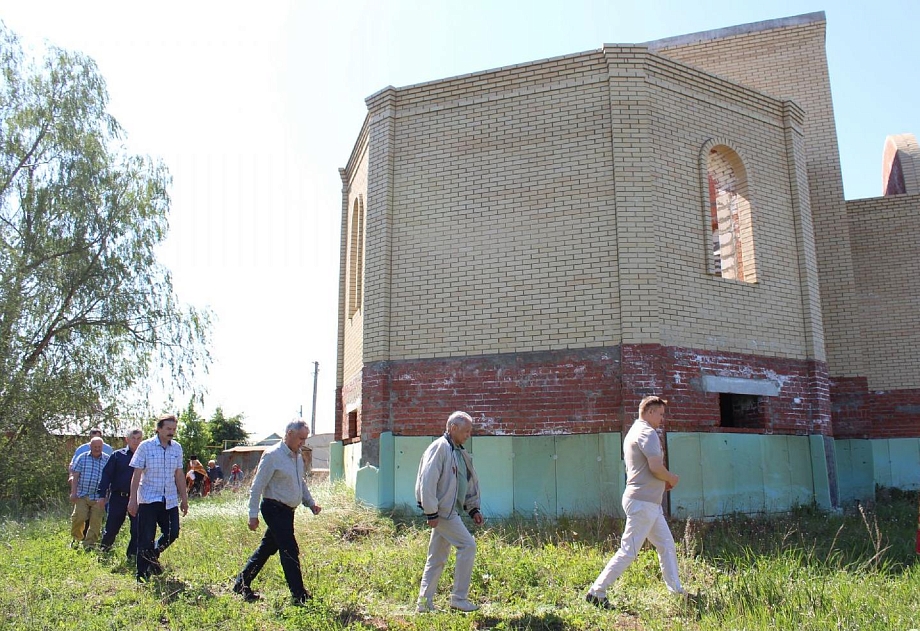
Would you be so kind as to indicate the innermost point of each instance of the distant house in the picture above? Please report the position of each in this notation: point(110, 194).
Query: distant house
point(248, 456)
point(270, 440)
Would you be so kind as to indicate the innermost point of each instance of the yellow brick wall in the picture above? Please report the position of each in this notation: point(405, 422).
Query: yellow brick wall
point(786, 58)
point(884, 232)
point(559, 204)
point(690, 113)
point(351, 323)
point(503, 213)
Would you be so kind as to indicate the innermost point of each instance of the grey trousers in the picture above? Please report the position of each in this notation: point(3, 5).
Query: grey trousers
point(449, 532)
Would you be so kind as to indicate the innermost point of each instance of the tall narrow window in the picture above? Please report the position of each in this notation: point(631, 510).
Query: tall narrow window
point(730, 222)
point(356, 257)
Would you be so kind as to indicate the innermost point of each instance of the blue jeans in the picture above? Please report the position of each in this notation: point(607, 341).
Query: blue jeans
point(118, 510)
point(279, 537)
point(149, 516)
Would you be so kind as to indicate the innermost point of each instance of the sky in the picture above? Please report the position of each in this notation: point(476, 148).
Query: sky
point(254, 106)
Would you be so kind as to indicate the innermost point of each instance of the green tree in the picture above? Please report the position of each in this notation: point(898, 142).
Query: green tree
point(88, 316)
point(193, 433)
point(224, 429)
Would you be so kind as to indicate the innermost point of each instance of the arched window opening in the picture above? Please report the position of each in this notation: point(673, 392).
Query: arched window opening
point(356, 258)
point(730, 222)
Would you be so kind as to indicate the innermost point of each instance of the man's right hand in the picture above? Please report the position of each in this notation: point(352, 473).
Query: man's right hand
point(433, 523)
point(73, 497)
point(253, 523)
point(132, 507)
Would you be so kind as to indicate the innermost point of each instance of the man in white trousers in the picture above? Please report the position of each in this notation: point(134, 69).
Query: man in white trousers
point(647, 478)
point(447, 485)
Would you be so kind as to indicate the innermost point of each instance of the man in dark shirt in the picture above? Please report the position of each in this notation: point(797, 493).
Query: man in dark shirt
point(216, 475)
point(116, 486)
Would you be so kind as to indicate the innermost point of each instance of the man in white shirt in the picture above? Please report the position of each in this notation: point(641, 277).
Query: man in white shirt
point(280, 483)
point(647, 478)
point(158, 491)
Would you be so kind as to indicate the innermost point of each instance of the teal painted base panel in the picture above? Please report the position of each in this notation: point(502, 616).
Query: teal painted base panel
point(584, 474)
point(864, 464)
point(336, 461)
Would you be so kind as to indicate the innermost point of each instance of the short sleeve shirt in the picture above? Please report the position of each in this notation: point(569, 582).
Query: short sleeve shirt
point(159, 464)
point(642, 443)
point(90, 473)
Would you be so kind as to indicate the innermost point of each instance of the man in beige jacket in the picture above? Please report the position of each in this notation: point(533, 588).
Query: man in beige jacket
point(447, 485)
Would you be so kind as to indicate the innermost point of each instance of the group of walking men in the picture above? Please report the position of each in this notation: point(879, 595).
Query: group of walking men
point(143, 482)
point(447, 486)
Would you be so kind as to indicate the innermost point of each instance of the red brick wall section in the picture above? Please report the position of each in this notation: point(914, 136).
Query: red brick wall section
point(562, 392)
point(894, 183)
point(802, 406)
point(339, 421)
point(584, 391)
point(895, 413)
point(598, 390)
point(849, 407)
point(861, 413)
point(375, 401)
point(345, 396)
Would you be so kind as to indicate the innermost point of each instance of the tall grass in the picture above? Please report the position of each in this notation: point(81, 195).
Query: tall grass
point(805, 570)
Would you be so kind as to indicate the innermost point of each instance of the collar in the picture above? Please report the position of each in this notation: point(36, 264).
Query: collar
point(451, 442)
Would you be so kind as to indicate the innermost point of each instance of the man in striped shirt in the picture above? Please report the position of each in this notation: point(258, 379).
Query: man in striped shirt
point(84, 491)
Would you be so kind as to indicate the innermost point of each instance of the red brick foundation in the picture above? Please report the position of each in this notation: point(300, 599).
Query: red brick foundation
point(861, 413)
point(598, 390)
point(580, 391)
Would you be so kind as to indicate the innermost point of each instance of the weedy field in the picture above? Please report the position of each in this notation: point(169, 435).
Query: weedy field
point(804, 570)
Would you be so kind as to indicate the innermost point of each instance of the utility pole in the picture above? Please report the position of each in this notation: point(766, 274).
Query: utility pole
point(315, 378)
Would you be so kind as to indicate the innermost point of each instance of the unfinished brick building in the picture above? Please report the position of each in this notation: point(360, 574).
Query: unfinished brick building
point(544, 244)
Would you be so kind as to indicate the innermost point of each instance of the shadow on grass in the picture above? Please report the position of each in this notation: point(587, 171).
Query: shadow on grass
point(530, 622)
point(169, 590)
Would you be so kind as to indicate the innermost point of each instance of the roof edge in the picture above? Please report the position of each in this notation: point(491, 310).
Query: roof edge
point(741, 29)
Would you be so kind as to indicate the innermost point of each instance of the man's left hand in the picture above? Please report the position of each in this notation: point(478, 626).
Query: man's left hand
point(316, 508)
point(183, 505)
point(477, 519)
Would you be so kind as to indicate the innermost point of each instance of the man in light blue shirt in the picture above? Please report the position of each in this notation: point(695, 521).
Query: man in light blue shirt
point(84, 491)
point(280, 483)
point(157, 492)
point(82, 449)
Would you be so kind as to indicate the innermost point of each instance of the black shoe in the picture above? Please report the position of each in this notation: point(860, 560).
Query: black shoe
point(246, 592)
point(602, 603)
point(155, 567)
point(303, 599)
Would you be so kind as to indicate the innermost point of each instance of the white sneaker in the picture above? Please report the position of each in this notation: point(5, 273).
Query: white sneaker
point(424, 605)
point(463, 605)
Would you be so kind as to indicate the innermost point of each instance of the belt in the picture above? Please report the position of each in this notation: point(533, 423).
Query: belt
point(274, 502)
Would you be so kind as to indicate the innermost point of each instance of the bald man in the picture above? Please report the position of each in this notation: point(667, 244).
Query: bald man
point(84, 493)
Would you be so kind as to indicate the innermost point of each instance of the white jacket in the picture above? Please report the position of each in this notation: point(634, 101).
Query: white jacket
point(436, 484)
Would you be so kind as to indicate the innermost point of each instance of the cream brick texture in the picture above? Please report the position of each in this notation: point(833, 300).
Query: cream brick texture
point(786, 58)
point(560, 204)
point(503, 213)
point(351, 320)
point(884, 232)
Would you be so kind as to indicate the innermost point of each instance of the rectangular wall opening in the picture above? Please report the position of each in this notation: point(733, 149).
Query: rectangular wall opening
point(741, 410)
point(353, 424)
